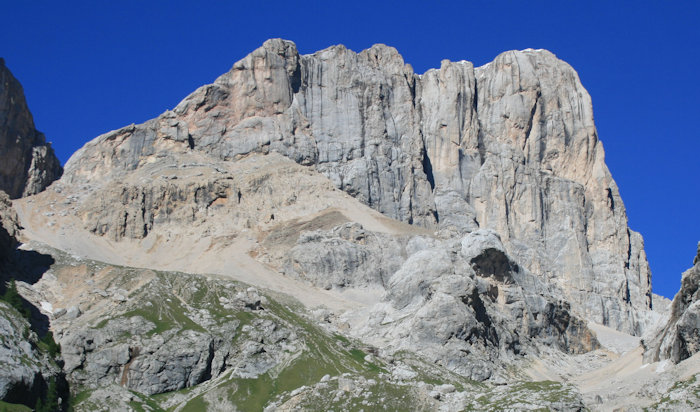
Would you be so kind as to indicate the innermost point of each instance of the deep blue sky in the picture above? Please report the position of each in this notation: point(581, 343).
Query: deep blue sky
point(90, 67)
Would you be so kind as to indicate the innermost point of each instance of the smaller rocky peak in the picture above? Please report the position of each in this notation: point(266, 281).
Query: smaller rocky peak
point(383, 57)
point(27, 162)
point(535, 55)
point(283, 48)
point(446, 64)
point(331, 53)
point(679, 339)
point(526, 66)
point(272, 54)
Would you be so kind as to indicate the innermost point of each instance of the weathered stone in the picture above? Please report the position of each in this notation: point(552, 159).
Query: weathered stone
point(344, 256)
point(680, 338)
point(469, 307)
point(24, 369)
point(27, 162)
point(9, 227)
point(510, 146)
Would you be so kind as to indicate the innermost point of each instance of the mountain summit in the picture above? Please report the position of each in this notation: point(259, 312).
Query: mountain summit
point(335, 231)
point(510, 146)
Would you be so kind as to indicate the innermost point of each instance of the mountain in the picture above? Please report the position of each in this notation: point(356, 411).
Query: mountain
point(510, 146)
point(335, 231)
point(27, 163)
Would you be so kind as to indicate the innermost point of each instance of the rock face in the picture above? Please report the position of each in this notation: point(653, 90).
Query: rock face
point(159, 333)
point(347, 255)
point(680, 338)
point(24, 368)
point(464, 303)
point(510, 146)
point(470, 308)
point(27, 162)
point(9, 228)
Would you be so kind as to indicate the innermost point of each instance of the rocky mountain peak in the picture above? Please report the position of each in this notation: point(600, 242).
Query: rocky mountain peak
point(27, 162)
point(455, 226)
point(510, 146)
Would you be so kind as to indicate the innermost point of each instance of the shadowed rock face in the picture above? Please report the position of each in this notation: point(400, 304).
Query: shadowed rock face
point(9, 228)
point(27, 162)
point(510, 146)
point(680, 338)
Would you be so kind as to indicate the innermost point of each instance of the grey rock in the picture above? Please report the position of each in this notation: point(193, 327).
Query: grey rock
point(510, 146)
point(344, 256)
point(173, 350)
point(73, 312)
point(23, 367)
point(468, 306)
point(9, 227)
point(58, 313)
point(131, 211)
point(27, 163)
point(680, 338)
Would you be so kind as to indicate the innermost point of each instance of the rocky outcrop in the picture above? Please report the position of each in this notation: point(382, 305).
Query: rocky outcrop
point(510, 146)
point(153, 345)
point(27, 163)
point(464, 303)
point(9, 227)
point(346, 255)
point(680, 339)
point(469, 307)
point(25, 370)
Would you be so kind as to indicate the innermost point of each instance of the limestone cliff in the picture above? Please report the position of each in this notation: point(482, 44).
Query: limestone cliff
point(510, 146)
point(27, 162)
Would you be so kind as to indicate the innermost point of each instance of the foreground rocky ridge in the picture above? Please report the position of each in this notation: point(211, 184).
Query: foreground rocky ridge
point(27, 163)
point(28, 363)
point(510, 146)
point(137, 339)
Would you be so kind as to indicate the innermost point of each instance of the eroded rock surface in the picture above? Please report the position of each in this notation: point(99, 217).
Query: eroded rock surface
point(9, 227)
point(680, 338)
point(24, 369)
point(27, 163)
point(510, 146)
point(471, 308)
point(167, 333)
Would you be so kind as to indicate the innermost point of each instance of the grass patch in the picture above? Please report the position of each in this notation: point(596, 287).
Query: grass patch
point(152, 405)
point(13, 407)
point(196, 405)
point(169, 314)
point(80, 397)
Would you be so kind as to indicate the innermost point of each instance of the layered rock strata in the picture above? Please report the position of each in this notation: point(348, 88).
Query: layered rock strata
point(27, 162)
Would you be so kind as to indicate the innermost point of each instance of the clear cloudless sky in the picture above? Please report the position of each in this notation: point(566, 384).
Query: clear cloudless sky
point(88, 67)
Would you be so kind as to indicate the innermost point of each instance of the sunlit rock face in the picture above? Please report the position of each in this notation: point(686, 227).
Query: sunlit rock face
point(510, 146)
